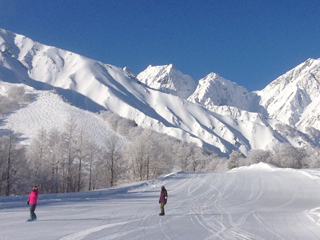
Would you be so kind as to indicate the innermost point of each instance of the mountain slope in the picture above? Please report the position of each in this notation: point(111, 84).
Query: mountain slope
point(47, 110)
point(94, 86)
point(293, 97)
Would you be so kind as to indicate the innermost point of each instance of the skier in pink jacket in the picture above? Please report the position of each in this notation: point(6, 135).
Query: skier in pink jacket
point(32, 201)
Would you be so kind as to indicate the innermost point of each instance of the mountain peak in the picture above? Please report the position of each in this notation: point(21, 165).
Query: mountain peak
point(214, 90)
point(167, 78)
point(129, 72)
point(288, 98)
point(171, 67)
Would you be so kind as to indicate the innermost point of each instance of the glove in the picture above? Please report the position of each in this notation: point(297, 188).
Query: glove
point(28, 202)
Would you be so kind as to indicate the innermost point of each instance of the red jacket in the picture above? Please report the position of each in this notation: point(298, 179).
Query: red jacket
point(33, 197)
point(163, 196)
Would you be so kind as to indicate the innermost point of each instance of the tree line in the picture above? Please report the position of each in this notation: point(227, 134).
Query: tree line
point(69, 161)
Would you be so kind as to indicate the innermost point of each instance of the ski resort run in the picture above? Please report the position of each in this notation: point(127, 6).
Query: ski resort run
point(255, 202)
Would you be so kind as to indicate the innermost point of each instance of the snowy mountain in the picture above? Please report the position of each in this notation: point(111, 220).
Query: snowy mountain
point(255, 202)
point(217, 114)
point(168, 79)
point(214, 90)
point(294, 97)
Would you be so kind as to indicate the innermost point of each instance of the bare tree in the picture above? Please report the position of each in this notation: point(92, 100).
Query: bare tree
point(93, 151)
point(37, 155)
point(259, 155)
point(287, 156)
point(14, 97)
point(150, 154)
point(234, 159)
point(82, 153)
point(137, 153)
point(55, 159)
point(12, 162)
point(183, 154)
point(69, 143)
point(112, 155)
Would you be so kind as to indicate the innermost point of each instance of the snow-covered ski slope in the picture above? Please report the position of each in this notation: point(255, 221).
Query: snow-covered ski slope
point(256, 202)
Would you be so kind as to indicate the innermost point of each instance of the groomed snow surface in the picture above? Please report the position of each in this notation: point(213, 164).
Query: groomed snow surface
point(256, 202)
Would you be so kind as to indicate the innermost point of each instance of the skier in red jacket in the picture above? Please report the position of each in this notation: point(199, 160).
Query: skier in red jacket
point(163, 200)
point(32, 201)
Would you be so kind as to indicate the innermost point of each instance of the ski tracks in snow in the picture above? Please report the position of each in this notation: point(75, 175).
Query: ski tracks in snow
point(241, 204)
point(208, 211)
point(245, 205)
point(87, 232)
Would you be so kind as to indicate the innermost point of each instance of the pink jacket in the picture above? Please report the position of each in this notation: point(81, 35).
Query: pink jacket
point(33, 197)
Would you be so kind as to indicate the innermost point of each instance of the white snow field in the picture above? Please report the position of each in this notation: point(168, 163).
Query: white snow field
point(256, 202)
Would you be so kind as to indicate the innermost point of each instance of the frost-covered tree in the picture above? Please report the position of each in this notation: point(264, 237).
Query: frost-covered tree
point(82, 149)
point(13, 167)
point(111, 118)
point(286, 130)
point(183, 154)
point(118, 124)
point(217, 163)
point(211, 161)
point(314, 158)
point(93, 151)
point(14, 96)
point(235, 159)
point(69, 152)
point(314, 134)
point(160, 153)
point(150, 153)
point(18, 95)
point(38, 159)
point(138, 154)
point(287, 156)
point(259, 155)
point(55, 159)
point(196, 156)
point(191, 157)
point(112, 159)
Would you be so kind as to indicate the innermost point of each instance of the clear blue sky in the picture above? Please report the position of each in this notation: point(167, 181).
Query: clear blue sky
point(250, 42)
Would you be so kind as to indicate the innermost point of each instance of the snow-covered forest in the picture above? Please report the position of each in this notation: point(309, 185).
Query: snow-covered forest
point(68, 160)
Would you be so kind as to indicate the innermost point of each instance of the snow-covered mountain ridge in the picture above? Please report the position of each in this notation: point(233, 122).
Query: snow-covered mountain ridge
point(214, 90)
point(216, 113)
point(294, 97)
point(168, 79)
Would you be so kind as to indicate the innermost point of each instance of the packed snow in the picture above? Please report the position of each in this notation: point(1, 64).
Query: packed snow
point(255, 202)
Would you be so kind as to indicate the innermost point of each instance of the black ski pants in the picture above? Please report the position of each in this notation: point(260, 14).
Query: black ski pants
point(32, 209)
